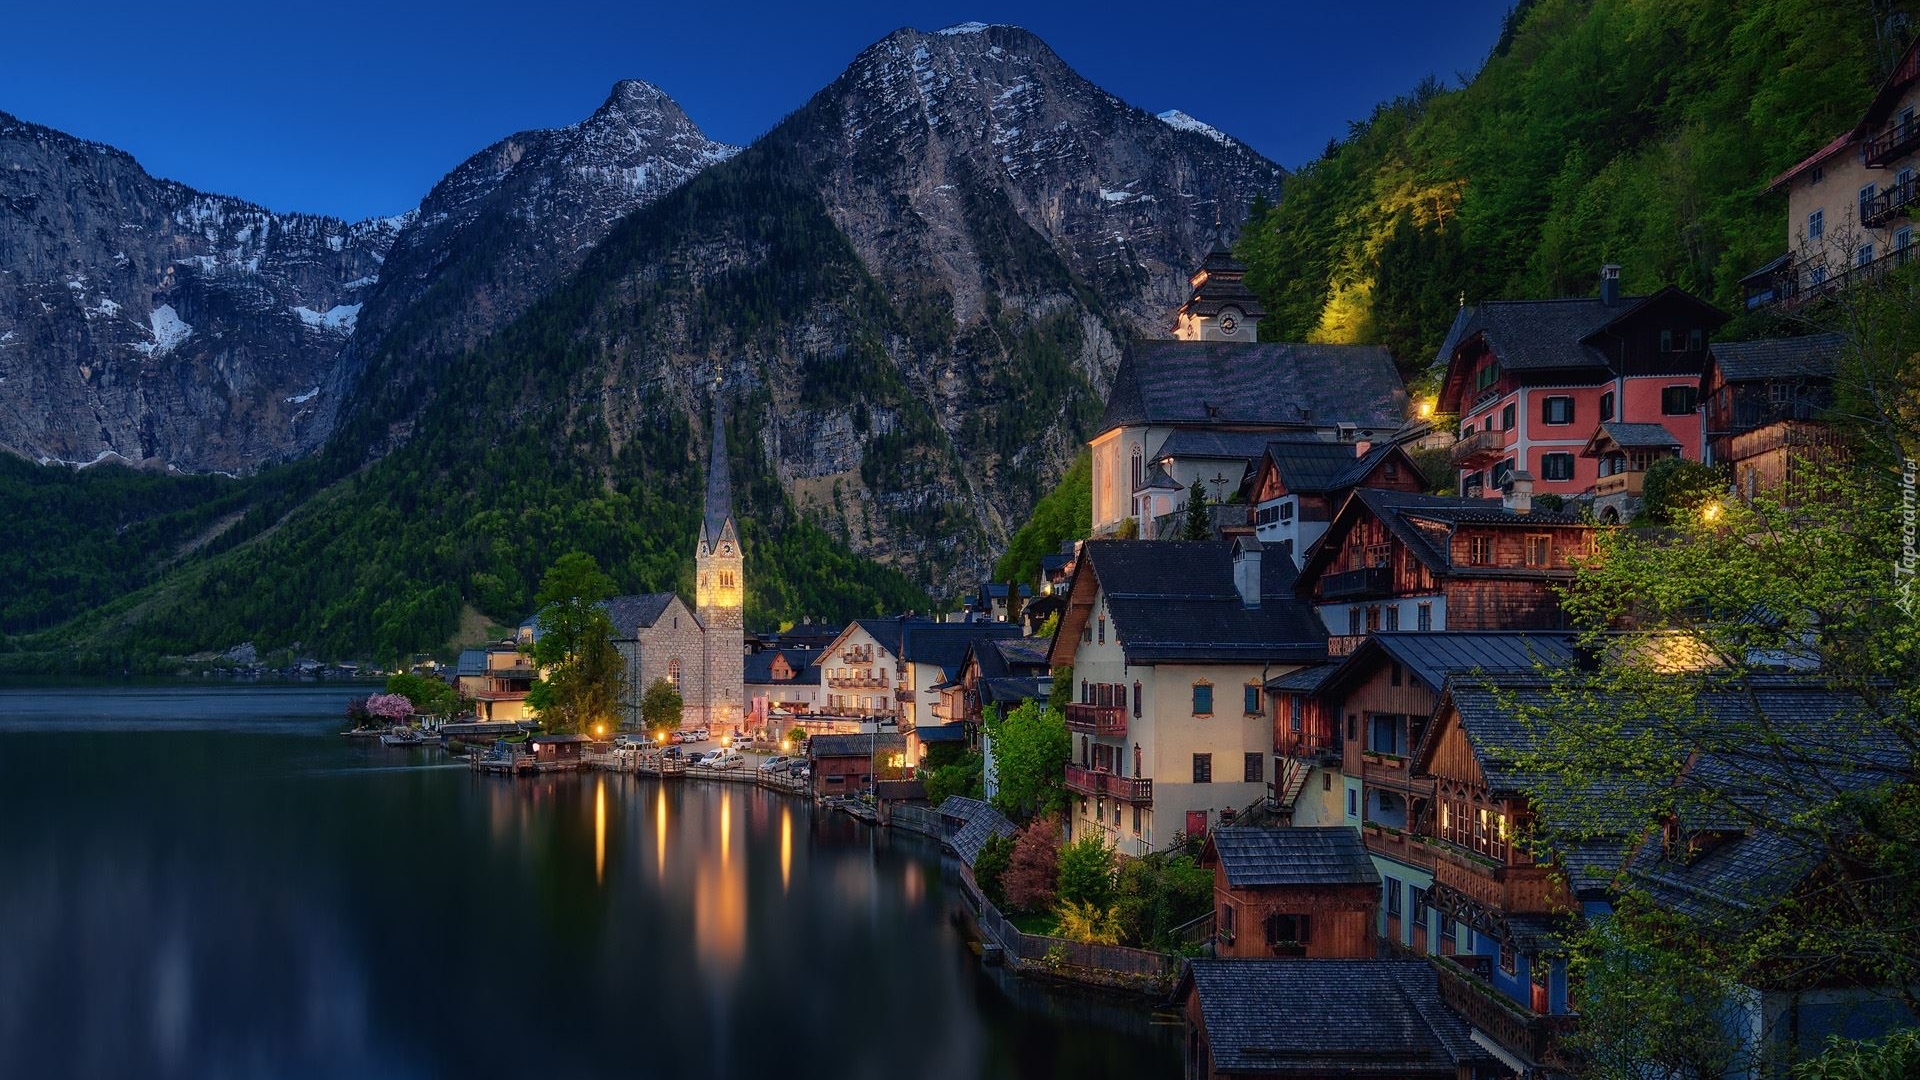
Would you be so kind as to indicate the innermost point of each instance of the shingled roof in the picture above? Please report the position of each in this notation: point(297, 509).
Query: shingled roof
point(1316, 466)
point(1282, 1017)
point(1224, 445)
point(1634, 436)
point(757, 668)
point(1269, 384)
point(1432, 657)
point(1174, 600)
point(631, 613)
point(1301, 855)
point(867, 745)
point(1424, 523)
point(1542, 334)
point(1815, 356)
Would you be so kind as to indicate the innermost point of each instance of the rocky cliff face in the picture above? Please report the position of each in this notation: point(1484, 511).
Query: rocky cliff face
point(143, 320)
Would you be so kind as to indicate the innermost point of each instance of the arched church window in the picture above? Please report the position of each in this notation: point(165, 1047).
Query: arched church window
point(673, 671)
point(1139, 472)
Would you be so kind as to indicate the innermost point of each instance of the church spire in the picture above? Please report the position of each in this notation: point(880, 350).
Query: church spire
point(719, 515)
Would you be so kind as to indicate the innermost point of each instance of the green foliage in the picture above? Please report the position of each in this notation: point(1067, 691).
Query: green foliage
point(430, 697)
point(797, 737)
point(1087, 922)
point(582, 675)
point(1087, 873)
point(990, 866)
point(1060, 691)
point(1199, 525)
point(959, 777)
point(1159, 893)
point(1675, 487)
point(1063, 515)
point(1598, 131)
point(1894, 1057)
point(1030, 753)
point(661, 707)
point(1048, 627)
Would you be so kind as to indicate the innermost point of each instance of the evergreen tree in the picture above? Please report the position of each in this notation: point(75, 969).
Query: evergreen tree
point(1199, 523)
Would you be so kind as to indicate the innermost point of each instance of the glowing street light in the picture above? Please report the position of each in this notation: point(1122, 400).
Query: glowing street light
point(1710, 513)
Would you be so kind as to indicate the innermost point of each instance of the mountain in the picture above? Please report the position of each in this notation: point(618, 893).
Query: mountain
point(913, 292)
point(146, 321)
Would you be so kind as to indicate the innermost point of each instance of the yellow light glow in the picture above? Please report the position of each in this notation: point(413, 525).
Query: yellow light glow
point(660, 833)
point(786, 847)
point(599, 729)
point(1710, 513)
point(726, 740)
point(786, 744)
point(726, 826)
point(660, 737)
point(1426, 408)
point(600, 833)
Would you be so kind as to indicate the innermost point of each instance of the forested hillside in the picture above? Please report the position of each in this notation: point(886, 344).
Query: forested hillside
point(1598, 131)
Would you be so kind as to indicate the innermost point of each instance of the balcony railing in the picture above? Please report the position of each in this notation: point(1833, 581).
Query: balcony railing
point(903, 694)
point(1896, 140)
point(1889, 204)
point(1353, 584)
point(1109, 721)
point(1523, 1032)
point(1400, 845)
point(1343, 645)
point(1479, 448)
point(865, 682)
point(1128, 789)
point(1628, 482)
point(1798, 288)
point(1516, 890)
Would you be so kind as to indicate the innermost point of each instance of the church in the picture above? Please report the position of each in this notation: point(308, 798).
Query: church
point(699, 649)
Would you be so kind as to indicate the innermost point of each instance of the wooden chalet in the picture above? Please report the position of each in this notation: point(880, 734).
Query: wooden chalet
point(854, 764)
point(1764, 403)
point(1324, 1019)
point(1625, 452)
point(998, 672)
point(1292, 892)
point(1394, 561)
point(1296, 484)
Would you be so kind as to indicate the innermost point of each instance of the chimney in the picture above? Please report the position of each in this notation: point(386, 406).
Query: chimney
point(1517, 492)
point(1361, 446)
point(1246, 569)
point(1610, 284)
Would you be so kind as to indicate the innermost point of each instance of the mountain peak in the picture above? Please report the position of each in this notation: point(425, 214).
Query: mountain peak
point(1180, 121)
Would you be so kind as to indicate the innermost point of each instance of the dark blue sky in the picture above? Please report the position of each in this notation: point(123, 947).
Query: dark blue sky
point(356, 108)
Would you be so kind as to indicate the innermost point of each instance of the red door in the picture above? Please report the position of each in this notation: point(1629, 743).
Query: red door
point(1196, 823)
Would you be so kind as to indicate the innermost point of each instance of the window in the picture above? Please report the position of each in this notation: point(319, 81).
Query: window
point(1556, 466)
point(1373, 618)
point(1417, 904)
point(1816, 224)
point(1202, 699)
point(1385, 733)
point(1397, 676)
point(1392, 471)
point(1539, 550)
point(1252, 701)
point(1480, 550)
point(1136, 821)
point(1507, 418)
point(1353, 803)
point(1136, 700)
point(1678, 400)
point(673, 671)
point(1471, 484)
point(1606, 406)
point(1666, 341)
point(1286, 512)
point(1138, 471)
point(1285, 930)
point(1425, 621)
point(1393, 616)
point(1256, 770)
point(1903, 239)
point(1507, 961)
point(1086, 696)
point(1447, 935)
point(1500, 472)
point(1353, 726)
point(1203, 768)
point(1556, 410)
point(1866, 201)
point(1696, 339)
point(1818, 174)
point(1353, 621)
point(1818, 275)
point(1296, 705)
point(1391, 886)
point(1864, 255)
point(1226, 922)
point(1103, 629)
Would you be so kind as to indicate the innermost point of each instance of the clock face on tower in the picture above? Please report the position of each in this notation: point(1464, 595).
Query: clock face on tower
point(726, 549)
point(1229, 324)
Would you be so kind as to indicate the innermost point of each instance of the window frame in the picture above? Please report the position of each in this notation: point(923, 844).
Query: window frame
point(1203, 767)
point(1552, 404)
point(1199, 689)
point(1562, 459)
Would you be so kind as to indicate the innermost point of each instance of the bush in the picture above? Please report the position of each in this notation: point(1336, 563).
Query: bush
point(1033, 873)
point(1159, 894)
point(1086, 873)
point(1088, 923)
point(962, 777)
point(1675, 486)
point(990, 868)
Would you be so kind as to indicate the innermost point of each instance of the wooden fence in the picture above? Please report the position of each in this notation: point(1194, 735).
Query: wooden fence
point(917, 819)
point(1053, 953)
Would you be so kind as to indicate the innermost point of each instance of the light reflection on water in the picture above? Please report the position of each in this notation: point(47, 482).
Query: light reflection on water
point(211, 883)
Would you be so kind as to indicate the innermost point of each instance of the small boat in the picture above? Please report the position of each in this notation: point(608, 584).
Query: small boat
point(403, 736)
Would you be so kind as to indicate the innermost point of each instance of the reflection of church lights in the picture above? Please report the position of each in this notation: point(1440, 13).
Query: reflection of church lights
point(726, 825)
point(915, 884)
point(600, 832)
point(660, 832)
point(786, 846)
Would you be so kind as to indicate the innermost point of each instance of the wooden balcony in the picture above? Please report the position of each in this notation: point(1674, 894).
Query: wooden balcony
point(1105, 721)
point(1892, 142)
point(857, 656)
point(1895, 202)
point(1400, 845)
point(1356, 584)
point(1479, 448)
point(1343, 645)
point(860, 682)
point(1627, 482)
point(1797, 289)
point(1515, 890)
point(1128, 789)
point(1466, 988)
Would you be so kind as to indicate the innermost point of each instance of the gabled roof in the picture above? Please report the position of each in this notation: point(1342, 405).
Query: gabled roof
point(1001, 658)
point(1223, 445)
point(1614, 435)
point(1156, 478)
point(1318, 466)
point(1174, 600)
point(945, 645)
point(1905, 72)
point(1301, 855)
point(1272, 385)
point(855, 745)
point(1280, 1017)
point(1424, 523)
point(757, 668)
point(630, 613)
point(1815, 356)
point(471, 662)
point(1435, 656)
point(976, 822)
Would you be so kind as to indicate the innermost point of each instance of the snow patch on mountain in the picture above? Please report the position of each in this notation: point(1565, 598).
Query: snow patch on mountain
point(339, 319)
point(958, 29)
point(169, 332)
point(1178, 120)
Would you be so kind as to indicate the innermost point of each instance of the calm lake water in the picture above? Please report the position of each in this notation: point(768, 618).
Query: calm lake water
point(212, 883)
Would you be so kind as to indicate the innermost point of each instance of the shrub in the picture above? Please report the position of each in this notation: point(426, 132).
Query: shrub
point(1086, 873)
point(1033, 872)
point(1088, 923)
point(1674, 486)
point(990, 868)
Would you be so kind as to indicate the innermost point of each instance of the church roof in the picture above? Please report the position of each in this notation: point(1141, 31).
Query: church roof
point(1270, 384)
point(631, 613)
point(719, 483)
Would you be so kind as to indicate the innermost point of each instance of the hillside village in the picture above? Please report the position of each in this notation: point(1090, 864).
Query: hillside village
point(1338, 647)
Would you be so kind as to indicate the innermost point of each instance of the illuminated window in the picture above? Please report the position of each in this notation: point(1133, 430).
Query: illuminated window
point(673, 672)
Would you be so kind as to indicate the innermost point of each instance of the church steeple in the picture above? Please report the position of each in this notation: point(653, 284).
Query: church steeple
point(720, 582)
point(718, 522)
point(1221, 306)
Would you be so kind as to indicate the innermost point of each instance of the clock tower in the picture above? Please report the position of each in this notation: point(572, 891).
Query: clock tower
point(720, 591)
point(1221, 307)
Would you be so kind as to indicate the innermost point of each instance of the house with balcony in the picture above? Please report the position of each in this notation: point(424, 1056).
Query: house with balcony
point(781, 682)
point(859, 671)
point(1298, 891)
point(1001, 673)
point(1296, 484)
point(1624, 453)
point(1765, 404)
point(497, 678)
point(1325, 1020)
point(1531, 381)
point(1850, 204)
point(898, 669)
point(1398, 561)
point(1223, 391)
point(1170, 643)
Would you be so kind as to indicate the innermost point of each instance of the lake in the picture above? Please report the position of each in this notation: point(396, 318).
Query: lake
point(210, 882)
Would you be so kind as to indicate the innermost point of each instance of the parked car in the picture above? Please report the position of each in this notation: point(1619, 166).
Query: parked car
point(681, 737)
point(724, 759)
point(701, 734)
point(673, 752)
point(773, 764)
point(701, 758)
point(630, 739)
